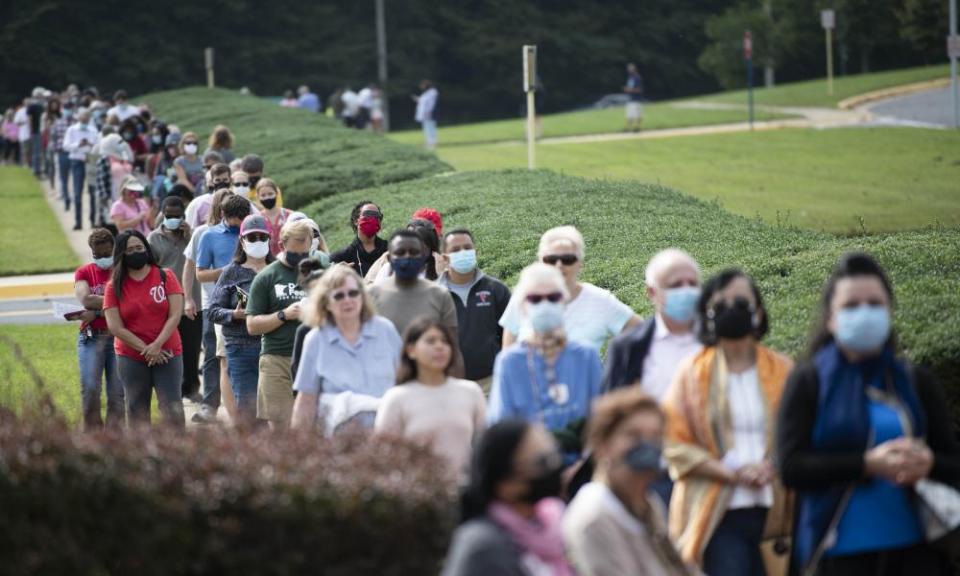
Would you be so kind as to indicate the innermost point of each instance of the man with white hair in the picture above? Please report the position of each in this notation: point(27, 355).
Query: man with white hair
point(649, 354)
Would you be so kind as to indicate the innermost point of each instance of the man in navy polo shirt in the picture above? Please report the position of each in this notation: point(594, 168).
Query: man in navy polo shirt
point(217, 248)
point(480, 301)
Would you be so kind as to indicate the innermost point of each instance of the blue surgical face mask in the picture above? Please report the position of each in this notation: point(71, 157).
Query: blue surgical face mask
point(172, 223)
point(104, 263)
point(864, 328)
point(233, 229)
point(407, 268)
point(464, 261)
point(545, 316)
point(680, 304)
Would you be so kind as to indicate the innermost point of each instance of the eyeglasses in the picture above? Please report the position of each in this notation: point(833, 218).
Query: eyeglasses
point(351, 294)
point(565, 259)
point(257, 237)
point(538, 298)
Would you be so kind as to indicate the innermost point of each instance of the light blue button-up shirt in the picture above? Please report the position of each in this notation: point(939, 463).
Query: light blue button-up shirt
point(330, 364)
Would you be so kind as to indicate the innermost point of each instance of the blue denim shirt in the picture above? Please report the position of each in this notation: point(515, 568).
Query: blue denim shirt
point(330, 364)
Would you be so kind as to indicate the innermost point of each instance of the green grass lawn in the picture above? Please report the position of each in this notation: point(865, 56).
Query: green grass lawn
point(891, 178)
point(52, 352)
point(656, 116)
point(663, 115)
point(31, 241)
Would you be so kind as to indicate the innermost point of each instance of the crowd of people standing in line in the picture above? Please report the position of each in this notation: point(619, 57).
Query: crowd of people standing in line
point(690, 447)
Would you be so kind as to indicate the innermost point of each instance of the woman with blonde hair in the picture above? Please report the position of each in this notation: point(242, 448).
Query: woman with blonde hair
point(221, 142)
point(350, 357)
point(270, 200)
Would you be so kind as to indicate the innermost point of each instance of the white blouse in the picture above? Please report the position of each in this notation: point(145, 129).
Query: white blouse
point(748, 414)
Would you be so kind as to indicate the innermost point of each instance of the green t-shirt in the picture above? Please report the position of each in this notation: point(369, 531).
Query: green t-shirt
point(273, 289)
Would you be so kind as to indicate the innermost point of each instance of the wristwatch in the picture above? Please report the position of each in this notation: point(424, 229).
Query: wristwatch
point(282, 316)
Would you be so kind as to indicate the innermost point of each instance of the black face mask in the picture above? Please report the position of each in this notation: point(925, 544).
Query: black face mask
point(221, 185)
point(294, 258)
point(732, 322)
point(135, 261)
point(546, 485)
point(643, 457)
point(269, 203)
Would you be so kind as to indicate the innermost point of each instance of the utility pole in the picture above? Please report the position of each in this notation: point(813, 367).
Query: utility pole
point(382, 63)
point(768, 70)
point(828, 21)
point(208, 63)
point(748, 56)
point(953, 50)
point(530, 87)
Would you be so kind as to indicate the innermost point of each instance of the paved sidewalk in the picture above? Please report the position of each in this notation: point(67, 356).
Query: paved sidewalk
point(76, 238)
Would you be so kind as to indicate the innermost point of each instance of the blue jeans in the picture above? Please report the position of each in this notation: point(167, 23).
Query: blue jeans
point(63, 167)
point(734, 547)
point(430, 133)
point(211, 365)
point(78, 169)
point(243, 364)
point(139, 382)
point(98, 363)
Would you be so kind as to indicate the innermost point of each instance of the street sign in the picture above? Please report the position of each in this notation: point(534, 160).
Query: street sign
point(747, 45)
point(529, 68)
point(828, 19)
point(953, 46)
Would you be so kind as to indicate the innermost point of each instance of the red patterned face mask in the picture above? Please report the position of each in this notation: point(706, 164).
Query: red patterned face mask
point(368, 226)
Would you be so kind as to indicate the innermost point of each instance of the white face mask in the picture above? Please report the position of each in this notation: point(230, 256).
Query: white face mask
point(241, 190)
point(190, 148)
point(256, 249)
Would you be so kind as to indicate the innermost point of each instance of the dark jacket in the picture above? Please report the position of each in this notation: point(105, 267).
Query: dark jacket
point(805, 469)
point(481, 548)
point(478, 324)
point(355, 255)
point(626, 355)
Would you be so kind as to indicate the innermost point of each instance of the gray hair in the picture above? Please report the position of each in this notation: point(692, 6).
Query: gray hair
point(663, 260)
point(562, 233)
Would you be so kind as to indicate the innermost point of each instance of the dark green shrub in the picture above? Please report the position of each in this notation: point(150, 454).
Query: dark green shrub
point(166, 503)
point(311, 156)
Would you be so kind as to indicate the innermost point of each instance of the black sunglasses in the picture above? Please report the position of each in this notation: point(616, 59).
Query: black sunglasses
point(372, 214)
point(257, 237)
point(538, 298)
point(565, 259)
point(341, 295)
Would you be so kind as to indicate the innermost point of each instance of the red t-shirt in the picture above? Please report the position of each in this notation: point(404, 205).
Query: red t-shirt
point(143, 308)
point(97, 279)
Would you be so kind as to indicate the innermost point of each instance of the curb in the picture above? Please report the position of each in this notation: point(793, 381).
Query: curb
point(906, 89)
point(36, 290)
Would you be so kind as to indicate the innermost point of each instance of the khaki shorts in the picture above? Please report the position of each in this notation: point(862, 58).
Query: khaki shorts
point(634, 110)
point(221, 343)
point(275, 389)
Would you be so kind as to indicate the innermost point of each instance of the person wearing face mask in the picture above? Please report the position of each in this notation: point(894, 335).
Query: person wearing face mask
point(721, 415)
point(78, 142)
point(592, 315)
point(189, 166)
point(215, 252)
point(199, 208)
point(273, 312)
point(545, 377)
point(131, 211)
point(253, 166)
point(114, 166)
point(511, 512)
point(433, 260)
point(860, 431)
point(480, 301)
point(128, 131)
point(616, 525)
point(427, 404)
point(270, 199)
point(404, 295)
point(228, 308)
point(95, 354)
point(367, 247)
point(349, 357)
point(169, 242)
point(143, 304)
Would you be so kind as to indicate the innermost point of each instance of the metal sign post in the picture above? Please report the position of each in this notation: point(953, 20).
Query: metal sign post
point(208, 62)
point(828, 20)
point(748, 56)
point(530, 87)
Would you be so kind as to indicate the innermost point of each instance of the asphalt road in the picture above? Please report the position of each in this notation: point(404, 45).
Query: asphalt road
point(32, 310)
point(931, 107)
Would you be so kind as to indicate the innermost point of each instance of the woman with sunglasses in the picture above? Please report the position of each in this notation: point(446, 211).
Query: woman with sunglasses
point(428, 404)
point(592, 315)
point(228, 304)
point(143, 304)
point(271, 205)
point(721, 415)
point(545, 377)
point(350, 356)
point(510, 512)
point(367, 247)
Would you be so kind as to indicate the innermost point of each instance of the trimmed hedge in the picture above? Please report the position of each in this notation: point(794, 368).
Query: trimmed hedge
point(311, 155)
point(625, 223)
point(162, 503)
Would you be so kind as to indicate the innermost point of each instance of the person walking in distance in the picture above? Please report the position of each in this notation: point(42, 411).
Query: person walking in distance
point(634, 91)
point(426, 112)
